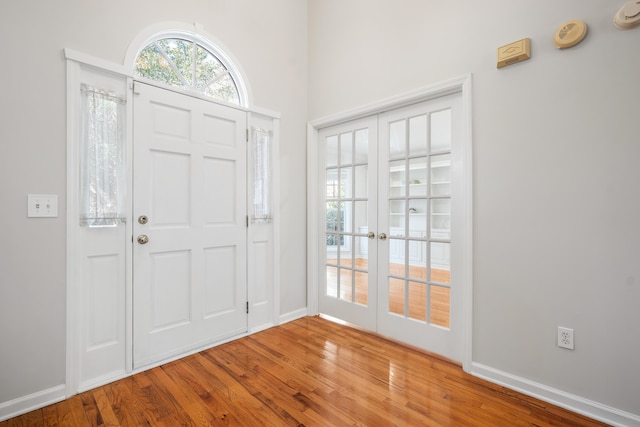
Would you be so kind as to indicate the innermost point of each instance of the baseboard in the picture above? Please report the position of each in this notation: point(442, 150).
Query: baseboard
point(578, 404)
point(293, 315)
point(24, 404)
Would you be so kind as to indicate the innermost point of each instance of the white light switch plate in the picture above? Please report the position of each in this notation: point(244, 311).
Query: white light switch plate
point(42, 205)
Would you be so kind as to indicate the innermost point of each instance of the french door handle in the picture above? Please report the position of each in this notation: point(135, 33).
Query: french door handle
point(382, 236)
point(371, 235)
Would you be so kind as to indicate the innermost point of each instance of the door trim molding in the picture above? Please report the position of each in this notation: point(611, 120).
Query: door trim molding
point(461, 84)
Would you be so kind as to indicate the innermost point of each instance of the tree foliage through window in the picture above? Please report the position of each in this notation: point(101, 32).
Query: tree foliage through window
point(185, 64)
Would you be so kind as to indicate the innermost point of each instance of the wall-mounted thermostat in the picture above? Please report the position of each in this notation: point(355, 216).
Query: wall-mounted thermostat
point(570, 34)
point(514, 52)
point(628, 16)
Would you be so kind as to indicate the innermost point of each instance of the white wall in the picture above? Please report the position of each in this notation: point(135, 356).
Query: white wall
point(268, 38)
point(556, 152)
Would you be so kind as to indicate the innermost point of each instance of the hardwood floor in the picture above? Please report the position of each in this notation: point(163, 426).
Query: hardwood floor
point(309, 372)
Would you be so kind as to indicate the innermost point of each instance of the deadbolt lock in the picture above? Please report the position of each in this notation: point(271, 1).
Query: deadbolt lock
point(143, 219)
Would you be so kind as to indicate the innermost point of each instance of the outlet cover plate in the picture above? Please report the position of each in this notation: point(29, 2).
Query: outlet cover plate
point(565, 338)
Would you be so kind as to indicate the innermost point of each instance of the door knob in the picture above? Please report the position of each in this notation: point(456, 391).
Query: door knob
point(382, 236)
point(143, 239)
point(371, 235)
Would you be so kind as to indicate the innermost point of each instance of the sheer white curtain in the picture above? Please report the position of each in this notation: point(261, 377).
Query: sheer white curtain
point(102, 163)
point(261, 175)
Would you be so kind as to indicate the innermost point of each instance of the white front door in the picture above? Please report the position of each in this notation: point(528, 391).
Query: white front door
point(189, 248)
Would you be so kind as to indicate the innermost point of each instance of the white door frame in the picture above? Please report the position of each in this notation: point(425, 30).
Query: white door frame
point(81, 66)
point(460, 84)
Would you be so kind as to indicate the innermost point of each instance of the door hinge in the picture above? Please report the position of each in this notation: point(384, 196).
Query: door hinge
point(247, 307)
point(247, 217)
point(247, 134)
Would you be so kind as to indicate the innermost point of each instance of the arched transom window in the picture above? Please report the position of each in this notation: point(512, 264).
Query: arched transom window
point(186, 63)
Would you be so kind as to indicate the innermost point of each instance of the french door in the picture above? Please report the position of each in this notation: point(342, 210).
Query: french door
point(349, 187)
point(189, 248)
point(390, 224)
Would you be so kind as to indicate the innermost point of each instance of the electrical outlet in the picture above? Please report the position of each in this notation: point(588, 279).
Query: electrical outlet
point(565, 338)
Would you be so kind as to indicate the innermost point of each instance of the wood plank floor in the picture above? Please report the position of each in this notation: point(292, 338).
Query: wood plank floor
point(309, 372)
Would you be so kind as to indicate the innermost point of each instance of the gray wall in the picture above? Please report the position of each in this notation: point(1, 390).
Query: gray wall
point(556, 154)
point(269, 40)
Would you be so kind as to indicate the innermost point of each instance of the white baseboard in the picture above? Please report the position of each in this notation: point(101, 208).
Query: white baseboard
point(293, 315)
point(578, 404)
point(24, 404)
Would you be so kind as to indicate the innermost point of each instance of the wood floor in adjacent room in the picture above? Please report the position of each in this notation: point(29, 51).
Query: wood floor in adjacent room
point(310, 372)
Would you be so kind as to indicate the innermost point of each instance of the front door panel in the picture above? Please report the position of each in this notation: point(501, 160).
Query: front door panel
point(189, 279)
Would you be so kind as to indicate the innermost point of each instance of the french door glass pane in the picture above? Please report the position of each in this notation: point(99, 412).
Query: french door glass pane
point(439, 307)
point(346, 284)
point(332, 150)
point(418, 135)
point(417, 264)
point(335, 218)
point(440, 254)
point(346, 148)
point(441, 175)
point(441, 130)
point(360, 217)
point(346, 183)
point(396, 256)
point(332, 184)
point(417, 215)
point(398, 139)
point(361, 257)
point(362, 146)
point(418, 301)
point(397, 209)
point(362, 287)
point(361, 182)
point(397, 180)
point(345, 251)
point(441, 218)
point(418, 176)
point(396, 296)
point(346, 215)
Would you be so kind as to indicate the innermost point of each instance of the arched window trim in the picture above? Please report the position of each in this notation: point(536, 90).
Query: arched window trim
point(199, 37)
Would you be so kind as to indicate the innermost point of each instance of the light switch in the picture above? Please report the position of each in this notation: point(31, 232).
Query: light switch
point(42, 205)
